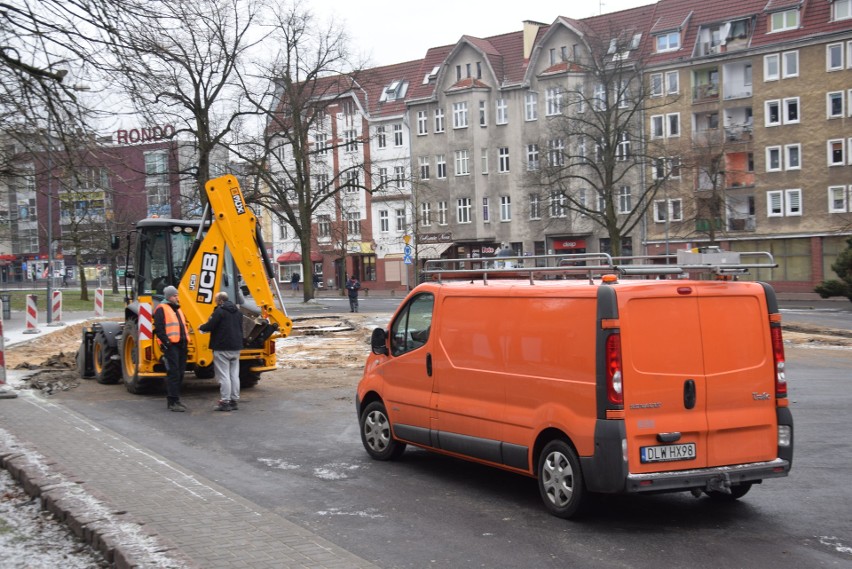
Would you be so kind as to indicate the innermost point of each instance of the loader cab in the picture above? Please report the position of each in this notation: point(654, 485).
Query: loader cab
point(163, 246)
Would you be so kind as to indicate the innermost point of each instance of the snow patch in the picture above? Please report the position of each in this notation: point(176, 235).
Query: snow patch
point(335, 471)
point(835, 542)
point(278, 463)
point(339, 512)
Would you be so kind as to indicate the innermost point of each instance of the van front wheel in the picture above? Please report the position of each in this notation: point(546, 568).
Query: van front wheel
point(560, 480)
point(376, 433)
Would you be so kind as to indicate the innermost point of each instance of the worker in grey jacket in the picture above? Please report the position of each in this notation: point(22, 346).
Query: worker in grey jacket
point(226, 340)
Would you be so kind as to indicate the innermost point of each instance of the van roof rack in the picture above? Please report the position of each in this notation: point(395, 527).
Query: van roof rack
point(708, 261)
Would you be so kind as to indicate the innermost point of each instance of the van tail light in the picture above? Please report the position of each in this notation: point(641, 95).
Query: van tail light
point(614, 386)
point(778, 356)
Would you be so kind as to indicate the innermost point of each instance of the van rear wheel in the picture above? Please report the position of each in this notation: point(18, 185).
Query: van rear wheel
point(376, 433)
point(560, 480)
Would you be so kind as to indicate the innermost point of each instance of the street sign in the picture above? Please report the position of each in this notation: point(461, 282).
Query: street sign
point(407, 250)
point(407, 259)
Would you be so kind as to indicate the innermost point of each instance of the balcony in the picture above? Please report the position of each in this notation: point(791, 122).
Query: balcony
point(705, 93)
point(739, 133)
point(747, 223)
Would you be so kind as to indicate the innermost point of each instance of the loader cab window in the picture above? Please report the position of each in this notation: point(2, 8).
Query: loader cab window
point(164, 251)
point(412, 326)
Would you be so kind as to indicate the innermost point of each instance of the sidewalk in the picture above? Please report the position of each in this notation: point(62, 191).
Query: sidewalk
point(134, 506)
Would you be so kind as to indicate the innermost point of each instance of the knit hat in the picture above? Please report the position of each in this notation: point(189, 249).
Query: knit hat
point(170, 291)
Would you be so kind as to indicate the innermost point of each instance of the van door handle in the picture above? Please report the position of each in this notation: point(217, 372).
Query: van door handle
point(429, 365)
point(689, 393)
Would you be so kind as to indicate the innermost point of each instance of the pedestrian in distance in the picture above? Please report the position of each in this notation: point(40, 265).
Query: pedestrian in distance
point(352, 287)
point(173, 336)
point(226, 340)
point(294, 281)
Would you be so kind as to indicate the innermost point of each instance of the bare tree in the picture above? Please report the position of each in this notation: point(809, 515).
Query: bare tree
point(293, 156)
point(596, 158)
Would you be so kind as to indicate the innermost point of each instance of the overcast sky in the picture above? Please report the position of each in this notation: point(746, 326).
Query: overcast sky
point(394, 31)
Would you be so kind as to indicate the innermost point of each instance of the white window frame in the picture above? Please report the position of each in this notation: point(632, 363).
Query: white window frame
point(401, 222)
point(844, 195)
point(828, 59)
point(483, 160)
point(838, 14)
point(779, 159)
point(442, 213)
point(424, 167)
point(770, 62)
point(398, 140)
point(782, 24)
point(668, 209)
point(775, 203)
point(625, 200)
point(439, 119)
point(462, 162)
point(558, 207)
point(656, 87)
point(505, 208)
point(483, 113)
point(533, 157)
point(788, 153)
point(460, 114)
point(503, 159)
point(672, 132)
point(535, 206)
point(553, 99)
point(384, 221)
point(789, 59)
point(667, 42)
point(658, 126)
point(463, 207)
point(502, 111)
point(829, 97)
point(486, 210)
point(793, 203)
point(672, 90)
point(767, 114)
point(786, 107)
point(441, 166)
point(556, 151)
point(842, 161)
point(530, 106)
point(425, 214)
point(422, 123)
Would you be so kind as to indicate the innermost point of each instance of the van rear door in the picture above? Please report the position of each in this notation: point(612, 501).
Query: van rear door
point(697, 373)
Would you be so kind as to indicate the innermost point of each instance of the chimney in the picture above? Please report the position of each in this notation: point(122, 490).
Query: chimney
point(530, 32)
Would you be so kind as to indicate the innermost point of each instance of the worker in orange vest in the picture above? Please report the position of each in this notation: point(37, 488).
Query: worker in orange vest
point(171, 331)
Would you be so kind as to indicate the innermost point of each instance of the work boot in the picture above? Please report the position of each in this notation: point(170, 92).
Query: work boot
point(177, 406)
point(234, 406)
point(223, 405)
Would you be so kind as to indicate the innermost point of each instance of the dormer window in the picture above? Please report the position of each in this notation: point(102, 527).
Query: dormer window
point(668, 42)
point(396, 90)
point(841, 9)
point(785, 20)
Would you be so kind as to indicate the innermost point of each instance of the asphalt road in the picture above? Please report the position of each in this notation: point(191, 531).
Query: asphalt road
point(297, 451)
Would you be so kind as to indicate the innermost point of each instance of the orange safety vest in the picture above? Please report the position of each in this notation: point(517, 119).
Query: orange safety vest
point(172, 323)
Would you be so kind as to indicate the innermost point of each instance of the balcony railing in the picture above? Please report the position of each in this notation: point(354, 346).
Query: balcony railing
point(746, 223)
point(702, 93)
point(740, 133)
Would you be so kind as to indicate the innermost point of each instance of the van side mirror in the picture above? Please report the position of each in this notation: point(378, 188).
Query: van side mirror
point(114, 242)
point(378, 342)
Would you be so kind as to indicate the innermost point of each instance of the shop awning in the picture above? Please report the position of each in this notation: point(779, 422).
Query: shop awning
point(432, 250)
point(293, 257)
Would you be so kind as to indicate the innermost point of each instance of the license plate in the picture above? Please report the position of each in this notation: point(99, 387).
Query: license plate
point(666, 453)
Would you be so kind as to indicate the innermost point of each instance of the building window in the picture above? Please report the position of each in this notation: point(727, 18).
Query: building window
point(671, 210)
point(426, 214)
point(771, 67)
point(838, 199)
point(556, 151)
point(625, 202)
point(400, 220)
point(399, 176)
point(352, 181)
point(533, 162)
point(622, 151)
point(790, 64)
point(672, 83)
point(775, 204)
point(397, 135)
point(673, 124)
point(441, 167)
point(383, 178)
point(422, 123)
point(834, 57)
point(424, 167)
point(384, 221)
point(535, 206)
point(483, 113)
point(836, 152)
point(460, 115)
point(668, 42)
point(599, 97)
point(322, 143)
point(503, 161)
point(834, 104)
point(505, 208)
point(782, 21)
point(381, 138)
point(442, 213)
point(791, 110)
point(486, 210)
point(439, 120)
point(841, 9)
point(780, 203)
point(793, 157)
point(502, 111)
point(462, 163)
point(350, 140)
point(353, 223)
point(483, 159)
point(531, 106)
point(558, 204)
point(553, 101)
point(656, 84)
point(793, 202)
point(657, 130)
point(323, 226)
point(773, 158)
point(463, 210)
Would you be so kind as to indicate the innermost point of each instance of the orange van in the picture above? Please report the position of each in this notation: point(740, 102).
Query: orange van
point(606, 384)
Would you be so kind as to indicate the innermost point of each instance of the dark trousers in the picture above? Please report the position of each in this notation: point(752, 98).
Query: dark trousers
point(175, 360)
point(353, 304)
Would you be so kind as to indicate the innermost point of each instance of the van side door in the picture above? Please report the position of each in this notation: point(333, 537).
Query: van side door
point(407, 373)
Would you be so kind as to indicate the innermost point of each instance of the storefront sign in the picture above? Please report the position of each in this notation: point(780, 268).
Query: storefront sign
point(138, 135)
point(561, 244)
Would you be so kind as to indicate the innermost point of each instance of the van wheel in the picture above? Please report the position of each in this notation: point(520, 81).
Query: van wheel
point(737, 492)
point(560, 480)
point(376, 433)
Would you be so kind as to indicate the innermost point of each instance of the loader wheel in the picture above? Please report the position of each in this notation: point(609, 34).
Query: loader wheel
point(107, 367)
point(248, 378)
point(130, 360)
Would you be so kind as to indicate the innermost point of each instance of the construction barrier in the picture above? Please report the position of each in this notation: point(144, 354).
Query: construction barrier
point(99, 302)
point(32, 315)
point(146, 326)
point(56, 309)
point(4, 392)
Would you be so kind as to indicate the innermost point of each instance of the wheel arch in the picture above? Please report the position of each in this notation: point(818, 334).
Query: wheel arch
point(369, 397)
point(544, 437)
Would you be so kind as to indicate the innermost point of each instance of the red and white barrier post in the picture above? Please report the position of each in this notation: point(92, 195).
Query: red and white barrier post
point(56, 309)
point(99, 302)
point(32, 315)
